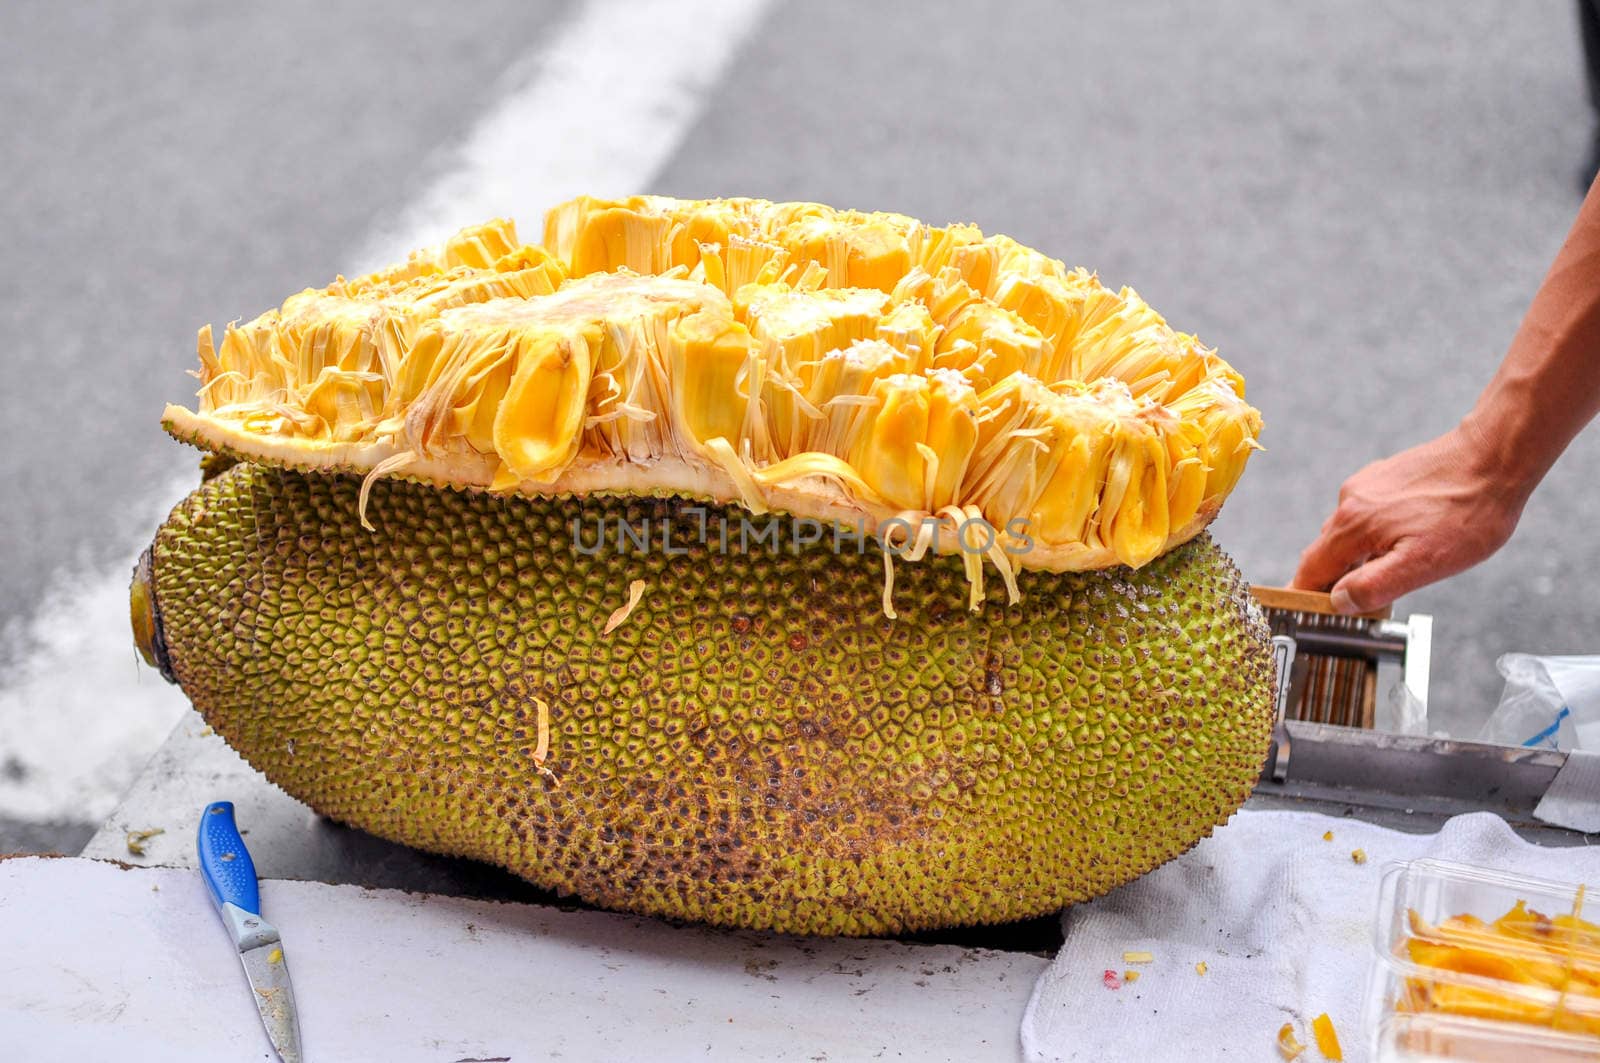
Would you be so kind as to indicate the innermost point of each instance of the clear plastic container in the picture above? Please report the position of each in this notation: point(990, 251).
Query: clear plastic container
point(1444, 987)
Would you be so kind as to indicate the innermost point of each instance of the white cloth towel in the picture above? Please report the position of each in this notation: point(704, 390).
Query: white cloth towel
point(1283, 921)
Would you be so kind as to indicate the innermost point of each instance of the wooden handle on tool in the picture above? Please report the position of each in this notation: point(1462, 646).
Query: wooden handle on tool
point(1295, 600)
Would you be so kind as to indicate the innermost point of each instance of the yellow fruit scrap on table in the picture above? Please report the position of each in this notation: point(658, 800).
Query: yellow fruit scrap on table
point(828, 363)
point(1289, 1046)
point(1327, 1037)
point(138, 840)
point(1547, 969)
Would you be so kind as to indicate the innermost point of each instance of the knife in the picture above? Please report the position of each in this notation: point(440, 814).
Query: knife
point(231, 876)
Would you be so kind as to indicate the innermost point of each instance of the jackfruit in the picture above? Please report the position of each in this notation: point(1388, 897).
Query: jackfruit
point(831, 364)
point(668, 707)
point(566, 558)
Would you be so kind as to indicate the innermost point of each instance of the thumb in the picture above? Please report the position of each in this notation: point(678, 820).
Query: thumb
point(1379, 582)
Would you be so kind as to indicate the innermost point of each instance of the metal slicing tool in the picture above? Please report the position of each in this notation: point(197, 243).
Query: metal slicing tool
point(1368, 671)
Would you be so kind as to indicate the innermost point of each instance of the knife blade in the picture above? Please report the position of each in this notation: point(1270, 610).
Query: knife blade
point(230, 875)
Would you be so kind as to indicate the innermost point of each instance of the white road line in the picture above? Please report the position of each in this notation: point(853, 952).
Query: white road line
point(80, 714)
point(598, 109)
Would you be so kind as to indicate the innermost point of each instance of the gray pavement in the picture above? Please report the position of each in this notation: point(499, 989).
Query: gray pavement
point(170, 166)
point(67, 838)
point(1354, 202)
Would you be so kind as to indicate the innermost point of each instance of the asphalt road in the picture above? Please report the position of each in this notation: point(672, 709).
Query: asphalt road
point(169, 167)
point(1353, 202)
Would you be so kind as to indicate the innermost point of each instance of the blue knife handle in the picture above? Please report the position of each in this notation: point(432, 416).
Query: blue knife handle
point(225, 862)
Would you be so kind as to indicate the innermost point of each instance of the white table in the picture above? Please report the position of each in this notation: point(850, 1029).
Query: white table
point(394, 973)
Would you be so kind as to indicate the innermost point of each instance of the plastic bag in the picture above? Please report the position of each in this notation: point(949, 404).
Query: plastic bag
point(1399, 711)
point(1548, 703)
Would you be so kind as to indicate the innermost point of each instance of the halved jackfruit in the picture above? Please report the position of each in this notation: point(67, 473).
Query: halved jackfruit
point(834, 364)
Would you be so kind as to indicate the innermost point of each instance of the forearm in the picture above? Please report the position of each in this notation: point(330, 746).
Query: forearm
point(1548, 386)
point(1444, 505)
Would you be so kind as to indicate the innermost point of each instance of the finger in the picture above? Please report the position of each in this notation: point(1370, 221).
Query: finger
point(1380, 581)
point(1333, 553)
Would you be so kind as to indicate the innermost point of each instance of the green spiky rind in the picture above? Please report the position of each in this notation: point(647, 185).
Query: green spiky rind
point(755, 746)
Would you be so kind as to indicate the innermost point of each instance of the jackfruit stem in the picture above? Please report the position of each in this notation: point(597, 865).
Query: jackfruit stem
point(144, 614)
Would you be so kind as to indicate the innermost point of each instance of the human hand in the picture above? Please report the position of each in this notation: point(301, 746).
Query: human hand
point(1410, 520)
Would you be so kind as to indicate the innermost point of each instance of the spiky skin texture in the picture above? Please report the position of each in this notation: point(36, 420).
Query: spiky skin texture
point(756, 745)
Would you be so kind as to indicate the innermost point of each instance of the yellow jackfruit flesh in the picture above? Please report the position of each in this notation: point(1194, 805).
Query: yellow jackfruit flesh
point(747, 741)
point(713, 349)
point(1525, 967)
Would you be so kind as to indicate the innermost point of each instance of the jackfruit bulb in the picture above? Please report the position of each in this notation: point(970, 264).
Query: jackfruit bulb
point(649, 563)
